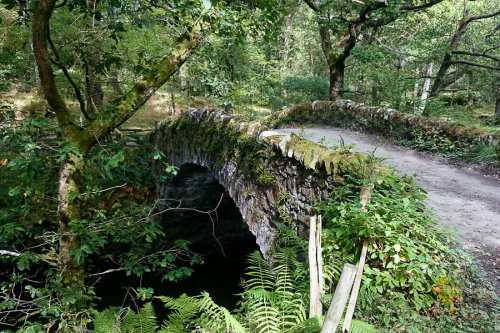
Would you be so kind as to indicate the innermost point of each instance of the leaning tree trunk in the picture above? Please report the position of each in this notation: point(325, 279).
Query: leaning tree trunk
point(71, 270)
point(439, 81)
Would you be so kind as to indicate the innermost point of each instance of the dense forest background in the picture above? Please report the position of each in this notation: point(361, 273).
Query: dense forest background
point(264, 60)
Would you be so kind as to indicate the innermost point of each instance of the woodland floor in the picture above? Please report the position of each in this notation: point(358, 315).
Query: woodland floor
point(462, 197)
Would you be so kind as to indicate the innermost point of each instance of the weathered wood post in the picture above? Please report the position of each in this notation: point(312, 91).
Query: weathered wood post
point(315, 267)
point(365, 197)
point(339, 300)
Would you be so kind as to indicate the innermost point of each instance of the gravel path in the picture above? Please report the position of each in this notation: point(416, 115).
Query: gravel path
point(464, 200)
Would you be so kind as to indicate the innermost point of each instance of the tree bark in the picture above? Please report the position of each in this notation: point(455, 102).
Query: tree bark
point(497, 104)
point(425, 89)
point(115, 82)
point(311, 63)
point(344, 41)
point(72, 272)
point(447, 59)
point(374, 94)
point(93, 87)
point(288, 34)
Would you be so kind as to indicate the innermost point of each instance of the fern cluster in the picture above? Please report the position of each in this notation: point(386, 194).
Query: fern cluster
point(274, 300)
point(125, 320)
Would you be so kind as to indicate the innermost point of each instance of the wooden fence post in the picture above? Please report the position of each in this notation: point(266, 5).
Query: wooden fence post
point(365, 197)
point(339, 299)
point(315, 267)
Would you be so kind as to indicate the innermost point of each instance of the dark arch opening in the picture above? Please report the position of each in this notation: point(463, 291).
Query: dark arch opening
point(196, 191)
point(223, 238)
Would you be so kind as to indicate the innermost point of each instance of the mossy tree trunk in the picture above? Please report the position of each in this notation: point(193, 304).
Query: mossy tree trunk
point(82, 139)
point(337, 54)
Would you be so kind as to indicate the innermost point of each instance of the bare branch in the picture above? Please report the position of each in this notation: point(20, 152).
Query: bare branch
point(105, 190)
point(477, 54)
point(109, 271)
point(482, 17)
point(59, 64)
point(9, 253)
point(493, 32)
point(475, 64)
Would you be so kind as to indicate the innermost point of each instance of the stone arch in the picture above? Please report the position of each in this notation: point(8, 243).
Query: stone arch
point(270, 176)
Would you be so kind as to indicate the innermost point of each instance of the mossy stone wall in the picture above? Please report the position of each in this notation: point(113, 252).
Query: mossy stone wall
point(440, 135)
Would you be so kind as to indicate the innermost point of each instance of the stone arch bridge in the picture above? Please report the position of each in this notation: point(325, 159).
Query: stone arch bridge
point(270, 176)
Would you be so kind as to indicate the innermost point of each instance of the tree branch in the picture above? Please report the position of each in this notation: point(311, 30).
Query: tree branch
point(60, 64)
point(10, 253)
point(475, 64)
point(40, 31)
point(409, 8)
point(477, 54)
point(481, 17)
point(135, 98)
point(312, 5)
point(493, 32)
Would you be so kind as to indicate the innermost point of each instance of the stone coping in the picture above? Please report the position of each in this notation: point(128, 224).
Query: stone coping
point(311, 155)
point(386, 121)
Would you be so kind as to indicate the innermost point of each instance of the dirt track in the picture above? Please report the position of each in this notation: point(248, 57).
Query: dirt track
point(463, 199)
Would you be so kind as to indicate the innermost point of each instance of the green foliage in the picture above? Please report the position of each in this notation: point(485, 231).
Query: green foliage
point(407, 254)
point(117, 207)
point(198, 312)
point(125, 321)
point(302, 89)
point(271, 301)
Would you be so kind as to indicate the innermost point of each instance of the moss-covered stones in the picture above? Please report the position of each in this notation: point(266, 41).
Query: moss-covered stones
point(256, 166)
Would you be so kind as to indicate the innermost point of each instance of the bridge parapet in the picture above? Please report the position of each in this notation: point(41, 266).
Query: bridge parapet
point(270, 176)
point(439, 135)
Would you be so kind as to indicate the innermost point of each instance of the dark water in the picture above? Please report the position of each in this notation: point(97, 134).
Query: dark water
point(220, 276)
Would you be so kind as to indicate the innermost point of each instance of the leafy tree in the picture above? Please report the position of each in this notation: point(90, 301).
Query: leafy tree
point(187, 22)
point(341, 23)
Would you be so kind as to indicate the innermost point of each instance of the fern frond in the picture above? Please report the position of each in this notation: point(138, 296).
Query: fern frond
point(107, 321)
point(259, 272)
point(358, 326)
point(144, 321)
point(311, 325)
point(200, 312)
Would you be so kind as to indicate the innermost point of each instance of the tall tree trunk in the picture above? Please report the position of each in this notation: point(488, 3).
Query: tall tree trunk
point(68, 210)
point(115, 82)
point(337, 71)
point(425, 89)
point(229, 60)
point(374, 94)
point(497, 104)
point(311, 64)
point(439, 81)
point(288, 34)
point(345, 41)
point(93, 87)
